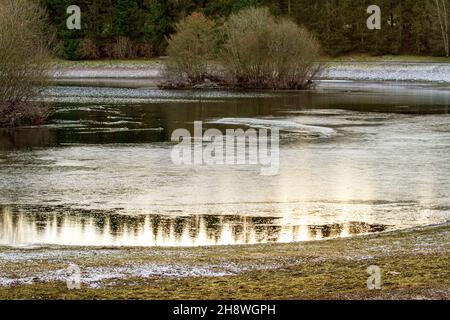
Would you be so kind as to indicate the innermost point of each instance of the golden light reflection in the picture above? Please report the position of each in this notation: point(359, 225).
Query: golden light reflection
point(20, 228)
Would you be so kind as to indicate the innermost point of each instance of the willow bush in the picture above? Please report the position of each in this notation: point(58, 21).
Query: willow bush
point(23, 62)
point(253, 49)
point(263, 51)
point(190, 51)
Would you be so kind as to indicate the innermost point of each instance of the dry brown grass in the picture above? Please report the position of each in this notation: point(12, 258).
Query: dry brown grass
point(89, 50)
point(414, 265)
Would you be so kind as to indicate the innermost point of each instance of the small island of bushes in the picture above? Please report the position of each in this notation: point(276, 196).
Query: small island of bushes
point(252, 49)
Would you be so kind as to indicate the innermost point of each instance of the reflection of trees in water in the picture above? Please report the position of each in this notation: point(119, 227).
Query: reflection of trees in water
point(87, 124)
point(23, 138)
point(327, 231)
point(53, 225)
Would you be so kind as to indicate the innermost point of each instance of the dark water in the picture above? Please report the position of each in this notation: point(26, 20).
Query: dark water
point(100, 173)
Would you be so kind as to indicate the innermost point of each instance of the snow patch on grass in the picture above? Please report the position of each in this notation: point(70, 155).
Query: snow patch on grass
point(94, 276)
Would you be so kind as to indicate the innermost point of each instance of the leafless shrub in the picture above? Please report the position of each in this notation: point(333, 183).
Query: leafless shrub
point(123, 49)
point(23, 62)
point(261, 51)
point(144, 50)
point(190, 51)
point(89, 50)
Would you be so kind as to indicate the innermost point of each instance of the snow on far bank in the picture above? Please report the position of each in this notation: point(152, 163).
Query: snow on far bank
point(113, 73)
point(369, 71)
point(384, 71)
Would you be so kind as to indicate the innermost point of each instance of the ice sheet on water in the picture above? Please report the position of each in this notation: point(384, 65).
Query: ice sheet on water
point(286, 125)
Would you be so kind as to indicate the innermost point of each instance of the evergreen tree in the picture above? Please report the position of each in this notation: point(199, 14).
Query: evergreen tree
point(408, 26)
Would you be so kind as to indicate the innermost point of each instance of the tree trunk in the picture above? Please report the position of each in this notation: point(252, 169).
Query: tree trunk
point(441, 8)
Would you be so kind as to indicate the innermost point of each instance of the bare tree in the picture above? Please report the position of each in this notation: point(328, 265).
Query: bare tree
point(23, 61)
point(190, 50)
point(442, 11)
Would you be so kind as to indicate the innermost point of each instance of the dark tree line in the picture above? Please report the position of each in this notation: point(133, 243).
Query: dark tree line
point(138, 28)
point(408, 26)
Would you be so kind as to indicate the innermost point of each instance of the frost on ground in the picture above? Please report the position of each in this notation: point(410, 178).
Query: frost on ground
point(98, 276)
point(103, 273)
point(374, 71)
point(103, 267)
point(382, 71)
point(139, 72)
point(29, 254)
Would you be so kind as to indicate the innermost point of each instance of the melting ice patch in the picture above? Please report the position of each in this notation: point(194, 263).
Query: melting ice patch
point(282, 125)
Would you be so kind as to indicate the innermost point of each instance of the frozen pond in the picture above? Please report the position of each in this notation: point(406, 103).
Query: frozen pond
point(369, 160)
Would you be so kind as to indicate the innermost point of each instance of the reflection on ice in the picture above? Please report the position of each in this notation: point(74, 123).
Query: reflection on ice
point(19, 228)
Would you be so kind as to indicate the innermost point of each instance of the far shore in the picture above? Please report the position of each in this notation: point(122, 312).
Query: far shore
point(147, 73)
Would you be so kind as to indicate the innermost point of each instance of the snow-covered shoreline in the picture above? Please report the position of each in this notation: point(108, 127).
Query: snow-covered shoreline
point(387, 71)
point(107, 72)
point(356, 71)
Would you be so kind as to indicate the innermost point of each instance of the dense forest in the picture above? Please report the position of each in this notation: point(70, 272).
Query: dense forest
point(139, 28)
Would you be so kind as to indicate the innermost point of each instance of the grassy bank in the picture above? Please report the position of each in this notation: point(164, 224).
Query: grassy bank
point(414, 264)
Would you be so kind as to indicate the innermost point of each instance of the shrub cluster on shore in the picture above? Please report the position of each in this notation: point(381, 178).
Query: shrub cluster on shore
point(23, 57)
point(252, 49)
